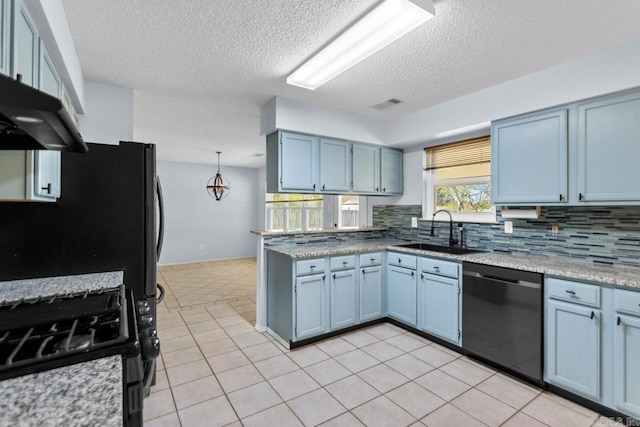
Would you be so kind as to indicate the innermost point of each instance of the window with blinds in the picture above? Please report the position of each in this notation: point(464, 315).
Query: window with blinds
point(458, 179)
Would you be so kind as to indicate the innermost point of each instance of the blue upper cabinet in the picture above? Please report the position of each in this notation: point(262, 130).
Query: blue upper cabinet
point(48, 79)
point(366, 168)
point(608, 149)
point(391, 171)
point(292, 163)
point(529, 159)
point(335, 165)
point(25, 46)
point(5, 36)
point(299, 163)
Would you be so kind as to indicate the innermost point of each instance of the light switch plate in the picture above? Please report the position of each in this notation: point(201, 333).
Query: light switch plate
point(508, 227)
point(414, 222)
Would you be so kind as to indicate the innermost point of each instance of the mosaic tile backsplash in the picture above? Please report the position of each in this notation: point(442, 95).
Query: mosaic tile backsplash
point(302, 239)
point(601, 235)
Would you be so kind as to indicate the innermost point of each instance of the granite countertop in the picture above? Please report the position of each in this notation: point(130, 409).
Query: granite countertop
point(85, 394)
point(329, 230)
point(561, 267)
point(15, 290)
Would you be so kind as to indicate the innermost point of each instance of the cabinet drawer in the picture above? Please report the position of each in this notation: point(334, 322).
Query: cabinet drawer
point(627, 302)
point(439, 267)
point(579, 293)
point(367, 260)
point(309, 266)
point(343, 262)
point(401, 260)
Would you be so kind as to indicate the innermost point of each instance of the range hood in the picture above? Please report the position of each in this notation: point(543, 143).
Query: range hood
point(33, 120)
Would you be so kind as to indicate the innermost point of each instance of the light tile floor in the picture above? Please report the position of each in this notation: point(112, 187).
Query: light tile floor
point(216, 370)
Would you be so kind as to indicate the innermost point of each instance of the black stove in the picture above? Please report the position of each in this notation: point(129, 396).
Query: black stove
point(46, 333)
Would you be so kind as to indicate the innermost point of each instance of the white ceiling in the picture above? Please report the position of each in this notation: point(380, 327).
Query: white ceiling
point(201, 69)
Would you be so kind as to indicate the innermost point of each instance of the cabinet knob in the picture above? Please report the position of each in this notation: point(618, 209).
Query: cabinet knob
point(377, 189)
point(572, 293)
point(561, 197)
point(618, 322)
point(47, 188)
point(314, 186)
point(399, 261)
point(322, 187)
point(373, 259)
point(384, 189)
point(312, 267)
point(344, 263)
point(436, 268)
point(592, 315)
point(580, 197)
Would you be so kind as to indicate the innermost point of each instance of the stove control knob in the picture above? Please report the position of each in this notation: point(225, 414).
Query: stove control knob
point(150, 333)
point(146, 321)
point(150, 348)
point(143, 307)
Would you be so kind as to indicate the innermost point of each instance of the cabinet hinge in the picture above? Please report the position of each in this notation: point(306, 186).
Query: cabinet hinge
point(280, 179)
point(458, 289)
point(459, 333)
point(295, 331)
point(295, 289)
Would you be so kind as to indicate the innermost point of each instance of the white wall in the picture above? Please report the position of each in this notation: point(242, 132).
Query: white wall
point(609, 70)
point(286, 114)
point(108, 116)
point(193, 218)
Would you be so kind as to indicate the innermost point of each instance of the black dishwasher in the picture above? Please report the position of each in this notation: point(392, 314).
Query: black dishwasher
point(502, 318)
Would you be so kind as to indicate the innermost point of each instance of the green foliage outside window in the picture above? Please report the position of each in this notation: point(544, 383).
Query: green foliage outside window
point(464, 198)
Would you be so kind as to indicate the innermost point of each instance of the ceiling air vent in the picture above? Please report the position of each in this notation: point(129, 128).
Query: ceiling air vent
point(386, 104)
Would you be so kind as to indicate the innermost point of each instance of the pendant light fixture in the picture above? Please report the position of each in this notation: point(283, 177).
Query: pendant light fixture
point(218, 186)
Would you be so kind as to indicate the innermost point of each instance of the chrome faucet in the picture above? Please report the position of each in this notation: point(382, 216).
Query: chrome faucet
point(452, 241)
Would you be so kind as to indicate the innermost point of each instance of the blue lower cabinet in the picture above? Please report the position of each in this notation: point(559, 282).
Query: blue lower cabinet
point(401, 294)
point(573, 348)
point(343, 299)
point(310, 306)
point(439, 306)
point(626, 351)
point(371, 296)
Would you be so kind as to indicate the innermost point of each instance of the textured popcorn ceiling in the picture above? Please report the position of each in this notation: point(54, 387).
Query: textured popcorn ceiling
point(201, 69)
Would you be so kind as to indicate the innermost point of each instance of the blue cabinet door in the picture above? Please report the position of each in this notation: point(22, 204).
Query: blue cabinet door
point(371, 299)
point(343, 299)
point(608, 149)
point(46, 174)
point(627, 365)
point(438, 307)
point(48, 79)
point(25, 43)
point(298, 162)
point(5, 36)
point(335, 165)
point(366, 168)
point(401, 294)
point(529, 159)
point(311, 306)
point(391, 171)
point(573, 348)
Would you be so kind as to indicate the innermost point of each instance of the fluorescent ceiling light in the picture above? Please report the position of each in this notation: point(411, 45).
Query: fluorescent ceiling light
point(386, 23)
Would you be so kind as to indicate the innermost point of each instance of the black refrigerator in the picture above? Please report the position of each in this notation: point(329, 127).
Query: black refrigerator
point(104, 220)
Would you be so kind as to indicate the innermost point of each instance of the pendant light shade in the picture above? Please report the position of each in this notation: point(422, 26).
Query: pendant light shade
point(218, 186)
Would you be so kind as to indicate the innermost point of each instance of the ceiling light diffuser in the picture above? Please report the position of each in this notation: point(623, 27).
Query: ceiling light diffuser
point(384, 24)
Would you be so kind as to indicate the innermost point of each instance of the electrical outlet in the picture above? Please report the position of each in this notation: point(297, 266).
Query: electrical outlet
point(414, 222)
point(202, 246)
point(508, 227)
point(554, 229)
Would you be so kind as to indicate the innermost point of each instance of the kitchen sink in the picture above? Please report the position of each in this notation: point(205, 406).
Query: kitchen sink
point(456, 250)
